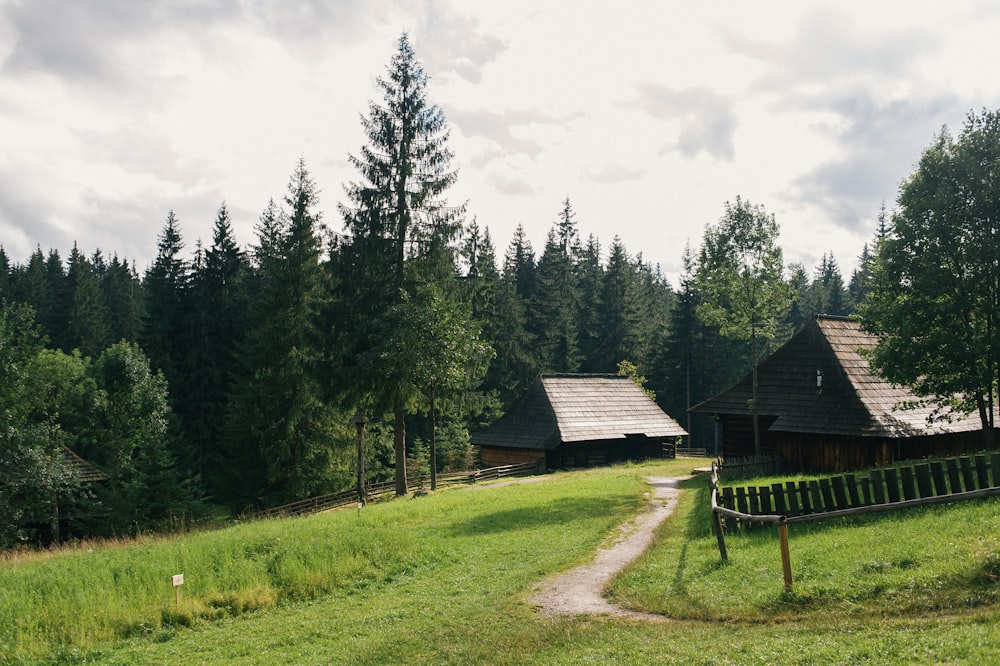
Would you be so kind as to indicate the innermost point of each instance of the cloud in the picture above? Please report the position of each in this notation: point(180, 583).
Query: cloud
point(869, 99)
point(511, 185)
point(500, 129)
point(452, 42)
point(86, 41)
point(707, 119)
point(875, 153)
point(829, 47)
point(614, 173)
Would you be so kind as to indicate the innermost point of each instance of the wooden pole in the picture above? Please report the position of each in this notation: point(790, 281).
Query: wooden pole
point(786, 564)
point(719, 535)
point(359, 421)
point(361, 464)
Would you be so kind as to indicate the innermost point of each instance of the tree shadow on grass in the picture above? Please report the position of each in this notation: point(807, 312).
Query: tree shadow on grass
point(555, 512)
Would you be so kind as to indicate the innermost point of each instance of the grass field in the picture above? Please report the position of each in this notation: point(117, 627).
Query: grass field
point(446, 578)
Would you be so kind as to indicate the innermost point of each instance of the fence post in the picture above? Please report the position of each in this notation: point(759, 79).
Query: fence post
point(786, 563)
point(719, 535)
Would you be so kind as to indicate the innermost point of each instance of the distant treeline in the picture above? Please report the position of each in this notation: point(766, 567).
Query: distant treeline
point(215, 320)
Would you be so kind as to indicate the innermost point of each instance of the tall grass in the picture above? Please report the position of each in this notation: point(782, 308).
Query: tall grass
point(447, 579)
point(81, 599)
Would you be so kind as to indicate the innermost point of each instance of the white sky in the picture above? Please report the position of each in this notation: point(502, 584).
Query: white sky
point(647, 115)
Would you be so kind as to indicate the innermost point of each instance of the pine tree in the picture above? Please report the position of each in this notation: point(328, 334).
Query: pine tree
point(482, 279)
point(556, 303)
point(827, 294)
point(519, 263)
point(590, 279)
point(165, 290)
point(167, 334)
point(31, 287)
point(123, 295)
point(88, 313)
point(397, 208)
point(801, 310)
point(862, 276)
point(515, 366)
point(220, 292)
point(280, 430)
point(53, 315)
point(656, 303)
point(618, 324)
point(5, 274)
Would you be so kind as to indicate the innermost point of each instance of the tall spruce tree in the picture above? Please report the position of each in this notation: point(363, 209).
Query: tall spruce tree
point(556, 303)
point(123, 295)
point(88, 312)
point(53, 315)
point(165, 290)
point(280, 431)
point(167, 332)
point(5, 274)
point(515, 365)
point(620, 318)
point(481, 276)
point(590, 278)
point(398, 208)
point(221, 300)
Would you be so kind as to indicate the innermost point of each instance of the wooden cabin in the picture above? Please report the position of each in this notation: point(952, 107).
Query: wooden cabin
point(569, 420)
point(821, 407)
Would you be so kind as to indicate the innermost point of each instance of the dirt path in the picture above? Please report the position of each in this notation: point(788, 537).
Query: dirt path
point(581, 590)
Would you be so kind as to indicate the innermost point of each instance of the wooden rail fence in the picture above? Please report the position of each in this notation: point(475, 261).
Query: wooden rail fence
point(886, 489)
point(692, 452)
point(377, 491)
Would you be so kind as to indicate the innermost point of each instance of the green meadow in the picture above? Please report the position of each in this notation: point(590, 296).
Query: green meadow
point(446, 578)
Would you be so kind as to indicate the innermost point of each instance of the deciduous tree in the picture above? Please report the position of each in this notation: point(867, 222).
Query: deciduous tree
point(934, 297)
point(739, 277)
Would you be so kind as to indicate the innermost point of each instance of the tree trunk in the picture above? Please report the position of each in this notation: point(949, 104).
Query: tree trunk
point(434, 476)
point(986, 418)
point(753, 399)
point(362, 500)
point(400, 446)
point(56, 536)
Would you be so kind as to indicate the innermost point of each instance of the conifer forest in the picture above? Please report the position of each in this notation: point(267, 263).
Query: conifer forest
point(224, 379)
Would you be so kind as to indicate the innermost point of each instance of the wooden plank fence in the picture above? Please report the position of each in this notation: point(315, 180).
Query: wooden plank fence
point(914, 484)
point(378, 491)
point(886, 489)
point(765, 464)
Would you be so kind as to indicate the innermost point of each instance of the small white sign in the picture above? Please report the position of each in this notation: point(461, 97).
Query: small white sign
point(178, 579)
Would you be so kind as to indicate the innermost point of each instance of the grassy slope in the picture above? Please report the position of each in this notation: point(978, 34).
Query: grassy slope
point(446, 579)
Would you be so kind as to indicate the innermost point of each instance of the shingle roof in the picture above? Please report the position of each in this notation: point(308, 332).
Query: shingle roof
point(577, 408)
point(848, 400)
point(85, 472)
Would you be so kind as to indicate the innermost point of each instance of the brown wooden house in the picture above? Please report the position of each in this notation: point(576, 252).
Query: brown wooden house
point(822, 409)
point(576, 420)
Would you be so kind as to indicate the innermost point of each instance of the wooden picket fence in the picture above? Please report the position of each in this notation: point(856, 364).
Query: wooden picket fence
point(912, 484)
point(886, 489)
point(377, 491)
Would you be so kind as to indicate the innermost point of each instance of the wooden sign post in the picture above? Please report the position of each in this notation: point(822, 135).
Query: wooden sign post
point(178, 580)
